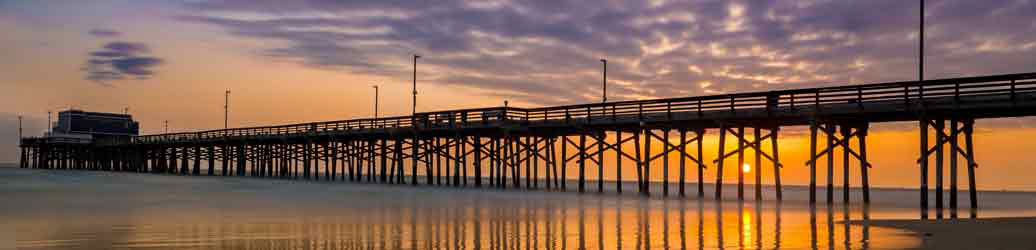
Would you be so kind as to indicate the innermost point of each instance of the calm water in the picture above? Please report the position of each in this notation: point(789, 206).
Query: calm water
point(91, 210)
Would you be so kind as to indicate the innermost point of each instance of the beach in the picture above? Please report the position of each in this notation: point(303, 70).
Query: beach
point(988, 233)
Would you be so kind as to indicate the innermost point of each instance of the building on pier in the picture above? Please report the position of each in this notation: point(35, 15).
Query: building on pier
point(84, 126)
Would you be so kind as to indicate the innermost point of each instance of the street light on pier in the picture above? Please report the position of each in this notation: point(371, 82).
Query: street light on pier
point(604, 81)
point(226, 110)
point(166, 126)
point(375, 101)
point(414, 112)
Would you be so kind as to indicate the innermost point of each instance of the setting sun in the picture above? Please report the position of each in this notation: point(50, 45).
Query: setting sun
point(746, 168)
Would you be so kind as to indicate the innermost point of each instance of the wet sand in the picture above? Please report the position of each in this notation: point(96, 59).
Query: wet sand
point(989, 233)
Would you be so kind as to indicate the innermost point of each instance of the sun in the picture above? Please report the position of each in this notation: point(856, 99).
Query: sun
point(746, 168)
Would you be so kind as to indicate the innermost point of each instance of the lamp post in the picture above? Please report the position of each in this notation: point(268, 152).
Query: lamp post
point(604, 81)
point(166, 126)
point(226, 110)
point(19, 127)
point(414, 111)
point(50, 128)
point(375, 102)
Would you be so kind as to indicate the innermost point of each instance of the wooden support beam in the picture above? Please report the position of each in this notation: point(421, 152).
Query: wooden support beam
point(864, 177)
point(552, 147)
point(197, 161)
point(719, 164)
point(740, 163)
point(846, 136)
point(776, 163)
point(968, 146)
point(600, 161)
point(212, 160)
point(564, 162)
point(458, 159)
point(384, 162)
point(683, 163)
point(639, 163)
point(665, 162)
point(924, 169)
point(184, 161)
point(646, 182)
point(830, 130)
point(528, 163)
point(953, 167)
point(464, 160)
point(618, 161)
point(701, 165)
point(414, 146)
point(758, 167)
point(940, 126)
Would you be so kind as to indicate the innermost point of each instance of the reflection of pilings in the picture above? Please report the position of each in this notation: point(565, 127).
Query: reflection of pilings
point(813, 226)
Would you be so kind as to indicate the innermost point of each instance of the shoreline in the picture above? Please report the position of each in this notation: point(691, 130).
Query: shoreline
point(985, 233)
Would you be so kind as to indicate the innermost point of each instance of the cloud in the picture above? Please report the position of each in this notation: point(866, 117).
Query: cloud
point(104, 33)
point(119, 61)
point(546, 52)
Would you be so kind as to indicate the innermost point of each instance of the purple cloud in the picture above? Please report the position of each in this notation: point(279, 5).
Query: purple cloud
point(119, 61)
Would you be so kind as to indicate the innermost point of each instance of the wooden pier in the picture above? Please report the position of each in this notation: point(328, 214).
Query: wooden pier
point(541, 148)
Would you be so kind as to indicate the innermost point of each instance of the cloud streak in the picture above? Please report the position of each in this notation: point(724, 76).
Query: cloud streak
point(104, 33)
point(546, 52)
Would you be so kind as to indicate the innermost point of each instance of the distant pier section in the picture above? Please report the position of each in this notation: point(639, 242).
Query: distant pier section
point(540, 148)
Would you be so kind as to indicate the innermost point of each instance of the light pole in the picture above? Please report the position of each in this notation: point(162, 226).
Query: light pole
point(166, 126)
point(226, 110)
point(19, 127)
point(414, 112)
point(604, 81)
point(375, 102)
point(49, 127)
point(920, 39)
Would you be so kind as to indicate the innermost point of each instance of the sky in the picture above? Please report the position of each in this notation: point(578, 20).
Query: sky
point(314, 60)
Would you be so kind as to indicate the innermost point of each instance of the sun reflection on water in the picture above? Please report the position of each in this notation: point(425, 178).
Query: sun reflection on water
point(627, 224)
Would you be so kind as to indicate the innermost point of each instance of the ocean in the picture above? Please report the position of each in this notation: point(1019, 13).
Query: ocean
point(67, 209)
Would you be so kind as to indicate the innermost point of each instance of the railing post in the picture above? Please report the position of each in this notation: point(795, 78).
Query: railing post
point(588, 114)
point(859, 97)
point(956, 95)
point(732, 102)
point(816, 102)
point(669, 110)
point(640, 111)
point(699, 108)
point(920, 94)
point(614, 107)
point(1013, 100)
point(792, 96)
point(906, 96)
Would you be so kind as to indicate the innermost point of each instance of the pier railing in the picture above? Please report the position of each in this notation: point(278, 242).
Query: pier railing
point(909, 94)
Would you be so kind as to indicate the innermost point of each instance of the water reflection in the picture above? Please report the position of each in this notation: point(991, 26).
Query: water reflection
point(579, 223)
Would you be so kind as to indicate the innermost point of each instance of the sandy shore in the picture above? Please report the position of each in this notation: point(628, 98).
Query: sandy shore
point(993, 233)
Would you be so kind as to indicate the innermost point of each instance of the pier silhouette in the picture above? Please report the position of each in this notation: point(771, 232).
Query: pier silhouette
point(540, 148)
